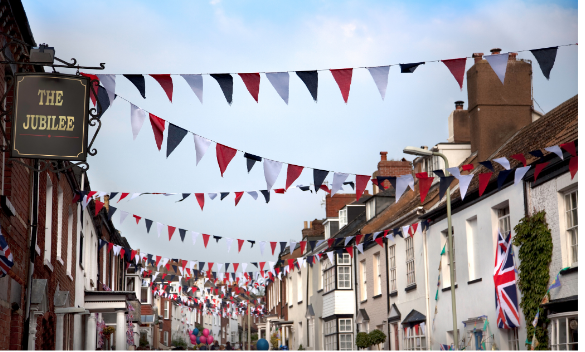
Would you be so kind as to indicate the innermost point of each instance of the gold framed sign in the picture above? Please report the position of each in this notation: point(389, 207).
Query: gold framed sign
point(50, 116)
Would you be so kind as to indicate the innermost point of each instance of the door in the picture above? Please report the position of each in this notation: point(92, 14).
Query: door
point(478, 337)
point(395, 329)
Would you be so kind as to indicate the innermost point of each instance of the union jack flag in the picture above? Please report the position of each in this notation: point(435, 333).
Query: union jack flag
point(6, 260)
point(505, 285)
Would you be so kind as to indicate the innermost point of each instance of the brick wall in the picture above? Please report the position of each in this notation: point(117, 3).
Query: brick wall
point(166, 322)
point(335, 203)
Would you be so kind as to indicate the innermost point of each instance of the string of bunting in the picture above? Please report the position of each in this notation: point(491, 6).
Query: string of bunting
point(280, 80)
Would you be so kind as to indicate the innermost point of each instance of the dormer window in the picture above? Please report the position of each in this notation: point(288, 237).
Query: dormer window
point(342, 217)
point(371, 208)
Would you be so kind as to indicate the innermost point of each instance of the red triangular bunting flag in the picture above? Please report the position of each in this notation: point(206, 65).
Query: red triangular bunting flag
point(457, 68)
point(158, 127)
point(122, 251)
point(380, 241)
point(110, 246)
point(520, 157)
point(325, 188)
point(375, 181)
point(538, 168)
point(98, 206)
point(292, 173)
point(238, 196)
point(166, 82)
point(343, 78)
point(273, 246)
point(349, 250)
point(224, 156)
point(92, 77)
point(236, 267)
point(209, 266)
point(91, 194)
point(137, 218)
point(330, 242)
point(262, 266)
point(573, 166)
point(424, 184)
point(252, 82)
point(414, 227)
point(279, 190)
point(171, 231)
point(158, 258)
point(168, 266)
point(132, 254)
point(569, 147)
point(361, 182)
point(291, 264)
point(467, 167)
point(205, 239)
point(240, 243)
point(358, 238)
point(122, 196)
point(303, 244)
point(484, 179)
point(200, 199)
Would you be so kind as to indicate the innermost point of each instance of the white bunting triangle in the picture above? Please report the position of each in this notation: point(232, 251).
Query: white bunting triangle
point(347, 239)
point(194, 236)
point(338, 180)
point(360, 248)
point(292, 246)
point(330, 256)
point(123, 215)
point(280, 82)
point(195, 81)
point(254, 194)
point(134, 195)
point(402, 182)
point(109, 82)
point(555, 149)
point(212, 195)
point(405, 231)
point(137, 116)
point(159, 228)
point(504, 162)
point(454, 171)
point(271, 170)
point(464, 181)
point(262, 244)
point(499, 63)
point(376, 234)
point(201, 145)
point(520, 172)
point(380, 76)
point(229, 241)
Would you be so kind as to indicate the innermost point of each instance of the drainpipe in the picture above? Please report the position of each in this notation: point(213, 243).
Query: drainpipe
point(355, 290)
point(526, 210)
point(387, 290)
point(427, 296)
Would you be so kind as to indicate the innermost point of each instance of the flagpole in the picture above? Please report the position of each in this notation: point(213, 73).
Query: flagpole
point(249, 329)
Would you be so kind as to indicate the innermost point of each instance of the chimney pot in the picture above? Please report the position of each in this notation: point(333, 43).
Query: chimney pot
point(495, 51)
point(477, 57)
point(512, 56)
point(424, 147)
point(384, 156)
point(305, 224)
point(459, 105)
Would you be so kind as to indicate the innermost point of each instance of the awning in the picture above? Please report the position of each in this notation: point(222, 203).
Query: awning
point(394, 314)
point(414, 317)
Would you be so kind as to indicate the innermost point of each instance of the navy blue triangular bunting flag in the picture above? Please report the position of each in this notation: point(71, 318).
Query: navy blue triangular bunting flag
point(138, 81)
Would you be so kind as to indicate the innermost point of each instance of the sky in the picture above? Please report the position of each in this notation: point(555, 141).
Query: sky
point(218, 36)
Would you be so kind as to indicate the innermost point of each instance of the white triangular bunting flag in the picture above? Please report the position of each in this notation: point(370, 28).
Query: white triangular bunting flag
point(555, 149)
point(280, 82)
point(498, 62)
point(254, 194)
point(520, 172)
point(464, 181)
point(319, 243)
point(212, 195)
point(292, 246)
point(402, 182)
point(380, 76)
point(347, 239)
point(271, 170)
point(229, 241)
point(405, 231)
point(117, 249)
point(123, 215)
point(109, 82)
point(390, 236)
point(330, 256)
point(85, 201)
point(360, 248)
point(302, 262)
point(504, 162)
point(195, 81)
point(159, 228)
point(194, 236)
point(137, 116)
point(134, 195)
point(262, 244)
point(454, 171)
point(338, 180)
point(376, 234)
point(244, 265)
point(201, 145)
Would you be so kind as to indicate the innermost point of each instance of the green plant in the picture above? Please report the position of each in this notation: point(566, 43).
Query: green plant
point(274, 341)
point(254, 337)
point(108, 330)
point(300, 347)
point(143, 342)
point(534, 239)
point(179, 342)
point(362, 340)
point(377, 337)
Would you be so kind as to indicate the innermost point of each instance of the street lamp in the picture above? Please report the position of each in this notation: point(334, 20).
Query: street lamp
point(426, 152)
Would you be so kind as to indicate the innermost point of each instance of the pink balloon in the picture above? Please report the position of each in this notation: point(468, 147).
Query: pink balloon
point(205, 332)
point(209, 339)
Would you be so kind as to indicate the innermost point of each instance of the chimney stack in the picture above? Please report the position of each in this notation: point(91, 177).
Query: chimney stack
point(383, 156)
point(459, 124)
point(496, 111)
point(306, 227)
point(477, 57)
point(459, 105)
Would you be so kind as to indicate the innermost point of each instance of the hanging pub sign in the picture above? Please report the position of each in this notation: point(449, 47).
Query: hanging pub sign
point(50, 119)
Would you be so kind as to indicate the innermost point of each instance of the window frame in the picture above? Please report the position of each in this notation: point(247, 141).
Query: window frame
point(343, 270)
point(392, 267)
point(363, 281)
point(300, 287)
point(410, 268)
point(371, 209)
point(571, 226)
point(377, 275)
point(342, 217)
point(409, 343)
point(166, 309)
point(49, 189)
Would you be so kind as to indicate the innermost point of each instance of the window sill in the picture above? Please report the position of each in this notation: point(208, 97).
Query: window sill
point(410, 288)
point(570, 270)
point(70, 277)
point(393, 294)
point(473, 281)
point(48, 265)
point(319, 291)
point(448, 288)
point(60, 260)
point(364, 301)
point(377, 296)
point(299, 302)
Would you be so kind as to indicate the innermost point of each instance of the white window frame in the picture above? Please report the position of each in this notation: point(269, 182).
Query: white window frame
point(59, 224)
point(167, 306)
point(414, 341)
point(513, 340)
point(48, 219)
point(410, 269)
point(345, 334)
point(300, 287)
point(571, 226)
point(329, 276)
point(392, 262)
point(364, 281)
point(342, 283)
point(330, 335)
point(342, 217)
point(371, 209)
point(504, 220)
point(166, 338)
point(561, 322)
point(471, 232)
point(377, 275)
point(69, 240)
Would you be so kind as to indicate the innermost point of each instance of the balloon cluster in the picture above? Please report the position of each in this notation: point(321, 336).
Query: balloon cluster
point(205, 338)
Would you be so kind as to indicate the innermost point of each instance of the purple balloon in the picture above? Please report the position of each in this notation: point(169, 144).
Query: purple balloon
point(209, 340)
